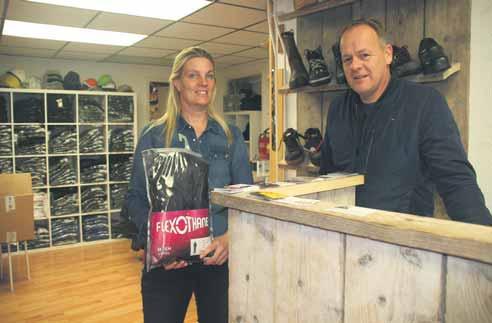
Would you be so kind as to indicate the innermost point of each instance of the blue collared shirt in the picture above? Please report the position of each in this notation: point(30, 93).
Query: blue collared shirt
point(228, 164)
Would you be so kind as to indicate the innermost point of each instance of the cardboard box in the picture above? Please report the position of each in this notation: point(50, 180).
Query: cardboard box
point(16, 208)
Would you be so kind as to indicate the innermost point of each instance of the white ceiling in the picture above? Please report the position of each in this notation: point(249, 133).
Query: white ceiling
point(233, 31)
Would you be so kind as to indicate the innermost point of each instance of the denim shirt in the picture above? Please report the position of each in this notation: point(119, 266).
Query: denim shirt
point(228, 164)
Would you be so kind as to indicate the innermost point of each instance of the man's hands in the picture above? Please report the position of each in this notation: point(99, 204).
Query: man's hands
point(219, 249)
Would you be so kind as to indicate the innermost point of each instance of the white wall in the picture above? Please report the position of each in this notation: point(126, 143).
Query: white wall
point(480, 127)
point(137, 76)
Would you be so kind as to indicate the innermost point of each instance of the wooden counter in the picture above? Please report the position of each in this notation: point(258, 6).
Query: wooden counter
point(330, 262)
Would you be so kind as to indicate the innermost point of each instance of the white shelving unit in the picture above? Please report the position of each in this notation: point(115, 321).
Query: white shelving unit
point(241, 119)
point(56, 111)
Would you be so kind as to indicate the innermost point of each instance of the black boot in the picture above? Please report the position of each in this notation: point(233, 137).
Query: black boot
point(318, 72)
point(298, 74)
point(294, 154)
point(402, 64)
point(339, 75)
point(432, 56)
point(313, 140)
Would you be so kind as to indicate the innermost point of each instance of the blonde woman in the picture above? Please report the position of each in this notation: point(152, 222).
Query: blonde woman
point(191, 122)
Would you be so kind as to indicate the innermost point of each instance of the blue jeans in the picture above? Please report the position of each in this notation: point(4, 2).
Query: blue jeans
point(167, 293)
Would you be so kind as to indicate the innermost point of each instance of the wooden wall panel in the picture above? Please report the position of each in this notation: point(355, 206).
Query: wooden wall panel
point(448, 22)
point(468, 291)
point(304, 292)
point(250, 279)
point(405, 23)
point(389, 283)
point(309, 105)
point(375, 9)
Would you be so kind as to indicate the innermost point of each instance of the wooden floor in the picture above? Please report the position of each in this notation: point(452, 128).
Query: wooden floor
point(95, 283)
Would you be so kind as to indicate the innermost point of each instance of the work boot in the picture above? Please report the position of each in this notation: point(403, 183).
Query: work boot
point(312, 142)
point(294, 154)
point(402, 64)
point(318, 71)
point(298, 74)
point(339, 75)
point(432, 56)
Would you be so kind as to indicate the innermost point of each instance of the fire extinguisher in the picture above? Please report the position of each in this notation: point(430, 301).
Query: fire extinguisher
point(264, 145)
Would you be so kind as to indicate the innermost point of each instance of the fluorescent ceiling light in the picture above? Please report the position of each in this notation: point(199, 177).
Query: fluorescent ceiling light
point(160, 9)
point(81, 35)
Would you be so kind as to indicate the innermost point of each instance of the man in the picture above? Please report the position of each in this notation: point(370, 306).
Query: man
point(400, 135)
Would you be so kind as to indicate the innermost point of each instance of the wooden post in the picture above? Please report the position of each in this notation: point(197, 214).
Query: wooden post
point(11, 274)
point(28, 266)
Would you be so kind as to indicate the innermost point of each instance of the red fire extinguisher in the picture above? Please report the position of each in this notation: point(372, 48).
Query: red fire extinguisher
point(264, 145)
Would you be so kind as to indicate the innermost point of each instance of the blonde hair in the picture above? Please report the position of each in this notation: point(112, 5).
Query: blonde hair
point(173, 100)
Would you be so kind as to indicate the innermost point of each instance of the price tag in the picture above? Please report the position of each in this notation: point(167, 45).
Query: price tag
point(11, 236)
point(9, 203)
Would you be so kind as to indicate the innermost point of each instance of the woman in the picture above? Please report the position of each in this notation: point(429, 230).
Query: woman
point(191, 122)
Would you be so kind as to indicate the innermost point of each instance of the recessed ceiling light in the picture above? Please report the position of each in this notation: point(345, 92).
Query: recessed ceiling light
point(160, 9)
point(81, 35)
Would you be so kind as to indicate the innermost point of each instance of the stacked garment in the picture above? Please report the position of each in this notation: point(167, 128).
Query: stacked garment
point(29, 108)
point(4, 107)
point(62, 171)
point(65, 231)
point(90, 109)
point(5, 140)
point(93, 170)
point(30, 140)
point(66, 202)
point(120, 140)
point(118, 192)
point(6, 166)
point(41, 238)
point(61, 108)
point(40, 205)
point(121, 169)
point(36, 166)
point(95, 227)
point(93, 199)
point(63, 141)
point(120, 108)
point(92, 140)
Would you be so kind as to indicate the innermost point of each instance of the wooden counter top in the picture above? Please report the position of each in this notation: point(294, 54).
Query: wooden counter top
point(449, 237)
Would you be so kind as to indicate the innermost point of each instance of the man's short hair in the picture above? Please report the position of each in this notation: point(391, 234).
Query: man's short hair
point(373, 24)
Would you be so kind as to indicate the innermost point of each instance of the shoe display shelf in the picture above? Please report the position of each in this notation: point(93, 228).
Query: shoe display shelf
point(242, 119)
point(78, 147)
point(419, 78)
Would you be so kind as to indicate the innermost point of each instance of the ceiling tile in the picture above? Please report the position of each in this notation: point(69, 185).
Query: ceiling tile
point(225, 15)
point(258, 4)
point(30, 42)
point(262, 27)
point(166, 43)
point(254, 53)
point(129, 24)
point(137, 60)
point(217, 48)
point(32, 52)
point(247, 38)
point(145, 52)
point(92, 48)
point(81, 55)
point(231, 60)
point(48, 14)
point(193, 31)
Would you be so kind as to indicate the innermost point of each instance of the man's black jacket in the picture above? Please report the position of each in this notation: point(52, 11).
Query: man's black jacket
point(410, 146)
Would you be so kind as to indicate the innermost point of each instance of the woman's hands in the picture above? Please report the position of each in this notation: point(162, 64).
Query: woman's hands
point(219, 249)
